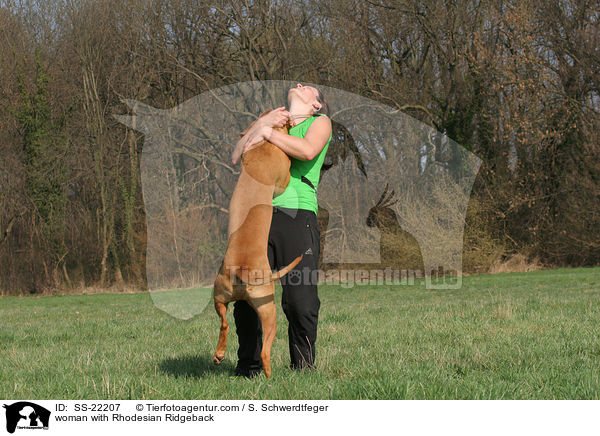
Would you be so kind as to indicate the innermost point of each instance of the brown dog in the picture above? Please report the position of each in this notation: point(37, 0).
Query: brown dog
point(245, 273)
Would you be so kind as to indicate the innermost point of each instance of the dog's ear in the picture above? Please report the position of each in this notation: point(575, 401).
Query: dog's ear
point(252, 123)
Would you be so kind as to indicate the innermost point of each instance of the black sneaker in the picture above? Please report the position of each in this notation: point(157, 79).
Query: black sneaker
point(302, 367)
point(247, 373)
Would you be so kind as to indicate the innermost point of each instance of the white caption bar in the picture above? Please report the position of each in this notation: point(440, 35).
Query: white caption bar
point(297, 417)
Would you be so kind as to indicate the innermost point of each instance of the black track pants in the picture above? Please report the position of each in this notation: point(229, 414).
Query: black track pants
point(293, 232)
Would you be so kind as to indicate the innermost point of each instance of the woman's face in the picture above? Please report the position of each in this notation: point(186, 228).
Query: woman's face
point(306, 94)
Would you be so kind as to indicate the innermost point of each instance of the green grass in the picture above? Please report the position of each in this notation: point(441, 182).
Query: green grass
point(529, 335)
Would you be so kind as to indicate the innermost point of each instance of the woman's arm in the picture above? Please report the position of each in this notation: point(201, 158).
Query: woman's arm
point(300, 148)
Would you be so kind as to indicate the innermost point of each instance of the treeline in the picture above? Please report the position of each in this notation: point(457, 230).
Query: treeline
point(515, 82)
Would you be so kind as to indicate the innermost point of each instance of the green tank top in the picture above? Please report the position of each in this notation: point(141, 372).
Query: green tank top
point(299, 193)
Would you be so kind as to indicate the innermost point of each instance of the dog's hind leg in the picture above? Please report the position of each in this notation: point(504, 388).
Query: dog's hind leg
point(268, 318)
point(221, 309)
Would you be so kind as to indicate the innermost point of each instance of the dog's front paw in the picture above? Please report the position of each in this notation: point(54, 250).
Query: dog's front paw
point(218, 359)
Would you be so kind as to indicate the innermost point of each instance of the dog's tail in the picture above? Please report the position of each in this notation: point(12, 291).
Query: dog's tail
point(278, 274)
point(287, 269)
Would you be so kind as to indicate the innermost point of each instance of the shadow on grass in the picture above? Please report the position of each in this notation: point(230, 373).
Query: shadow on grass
point(195, 366)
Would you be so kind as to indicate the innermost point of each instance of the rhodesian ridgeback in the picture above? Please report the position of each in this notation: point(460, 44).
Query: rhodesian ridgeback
point(245, 273)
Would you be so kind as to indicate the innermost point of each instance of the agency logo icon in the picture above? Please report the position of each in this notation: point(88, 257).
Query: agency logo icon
point(26, 415)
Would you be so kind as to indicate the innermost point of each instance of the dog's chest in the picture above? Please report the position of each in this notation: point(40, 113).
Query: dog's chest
point(267, 164)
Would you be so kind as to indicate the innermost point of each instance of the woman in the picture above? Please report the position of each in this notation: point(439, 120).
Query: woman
point(293, 228)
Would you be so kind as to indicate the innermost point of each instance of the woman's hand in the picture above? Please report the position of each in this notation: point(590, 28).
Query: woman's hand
point(252, 137)
point(260, 130)
point(276, 118)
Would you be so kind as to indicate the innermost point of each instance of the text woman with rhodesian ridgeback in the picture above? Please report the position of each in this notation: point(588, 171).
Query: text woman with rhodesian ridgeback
point(293, 228)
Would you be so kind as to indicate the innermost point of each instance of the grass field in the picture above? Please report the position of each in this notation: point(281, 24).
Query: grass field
point(529, 335)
